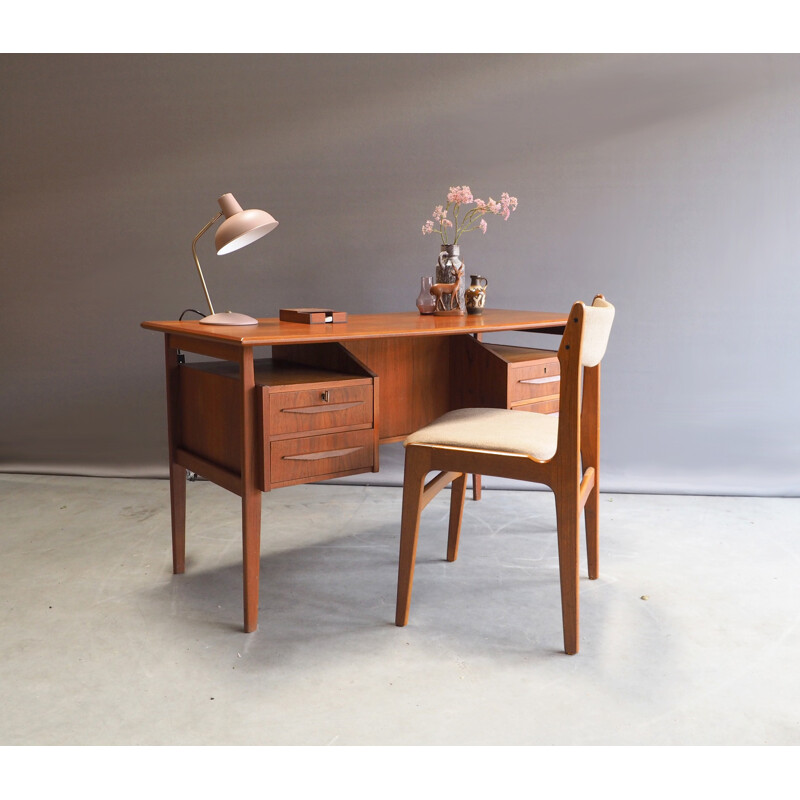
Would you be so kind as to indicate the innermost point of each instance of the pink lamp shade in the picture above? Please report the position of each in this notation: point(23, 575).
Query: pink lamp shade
point(240, 227)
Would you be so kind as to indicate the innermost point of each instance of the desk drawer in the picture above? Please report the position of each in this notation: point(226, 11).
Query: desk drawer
point(548, 405)
point(325, 408)
point(300, 459)
point(530, 381)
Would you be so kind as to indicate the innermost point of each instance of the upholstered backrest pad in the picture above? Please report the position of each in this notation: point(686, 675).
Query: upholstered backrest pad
point(597, 320)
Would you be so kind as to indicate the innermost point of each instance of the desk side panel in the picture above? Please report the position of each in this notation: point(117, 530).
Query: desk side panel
point(210, 417)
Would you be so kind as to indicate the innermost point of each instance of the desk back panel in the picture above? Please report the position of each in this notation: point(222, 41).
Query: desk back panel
point(415, 380)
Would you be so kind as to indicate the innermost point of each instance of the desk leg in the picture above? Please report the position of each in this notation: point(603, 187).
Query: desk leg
point(251, 557)
point(476, 479)
point(177, 497)
point(251, 495)
point(177, 473)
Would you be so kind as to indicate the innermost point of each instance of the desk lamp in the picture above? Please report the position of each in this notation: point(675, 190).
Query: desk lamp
point(239, 229)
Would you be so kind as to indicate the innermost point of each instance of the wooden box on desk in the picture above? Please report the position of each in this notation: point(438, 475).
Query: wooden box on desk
point(312, 315)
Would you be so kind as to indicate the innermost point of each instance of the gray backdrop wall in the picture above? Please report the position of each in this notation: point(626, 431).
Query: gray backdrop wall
point(669, 183)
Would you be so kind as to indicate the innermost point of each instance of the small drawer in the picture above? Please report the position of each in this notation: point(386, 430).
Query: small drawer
point(548, 405)
point(325, 408)
point(327, 456)
point(533, 380)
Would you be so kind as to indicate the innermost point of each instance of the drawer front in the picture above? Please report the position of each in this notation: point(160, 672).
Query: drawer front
point(534, 380)
point(547, 406)
point(329, 455)
point(309, 410)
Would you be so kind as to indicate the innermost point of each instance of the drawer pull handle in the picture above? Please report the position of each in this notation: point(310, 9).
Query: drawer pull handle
point(325, 396)
point(542, 380)
point(325, 454)
point(321, 409)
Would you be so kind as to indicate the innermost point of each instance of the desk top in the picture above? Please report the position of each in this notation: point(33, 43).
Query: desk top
point(362, 326)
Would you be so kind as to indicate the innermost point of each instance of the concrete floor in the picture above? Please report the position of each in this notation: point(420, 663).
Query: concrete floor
point(689, 637)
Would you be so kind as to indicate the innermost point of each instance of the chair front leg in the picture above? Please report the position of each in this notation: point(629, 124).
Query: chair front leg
point(416, 468)
point(568, 521)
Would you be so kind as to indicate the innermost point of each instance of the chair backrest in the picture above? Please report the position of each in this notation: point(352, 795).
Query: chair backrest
point(597, 320)
point(583, 345)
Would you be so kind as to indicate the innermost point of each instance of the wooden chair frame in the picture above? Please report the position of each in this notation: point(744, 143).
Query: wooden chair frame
point(572, 474)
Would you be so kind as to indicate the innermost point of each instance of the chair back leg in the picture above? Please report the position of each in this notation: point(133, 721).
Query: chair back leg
point(590, 457)
point(458, 491)
point(591, 518)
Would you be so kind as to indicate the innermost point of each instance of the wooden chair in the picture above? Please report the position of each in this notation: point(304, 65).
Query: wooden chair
point(560, 451)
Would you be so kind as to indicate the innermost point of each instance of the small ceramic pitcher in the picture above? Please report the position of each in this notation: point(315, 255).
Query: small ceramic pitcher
point(475, 295)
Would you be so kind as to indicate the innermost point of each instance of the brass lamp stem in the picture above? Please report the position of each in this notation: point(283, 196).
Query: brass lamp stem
point(197, 261)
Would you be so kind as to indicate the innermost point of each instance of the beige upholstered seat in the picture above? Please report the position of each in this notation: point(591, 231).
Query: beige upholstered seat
point(494, 429)
point(561, 451)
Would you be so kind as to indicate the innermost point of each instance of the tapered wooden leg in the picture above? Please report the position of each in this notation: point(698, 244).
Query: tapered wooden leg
point(458, 491)
point(590, 512)
point(476, 479)
point(568, 516)
point(413, 485)
point(177, 499)
point(177, 473)
point(251, 495)
point(590, 456)
point(476, 487)
point(251, 556)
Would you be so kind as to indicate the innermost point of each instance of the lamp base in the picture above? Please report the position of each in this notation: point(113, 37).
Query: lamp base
point(228, 318)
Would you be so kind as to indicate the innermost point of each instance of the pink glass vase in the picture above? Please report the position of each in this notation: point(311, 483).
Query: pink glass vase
point(425, 300)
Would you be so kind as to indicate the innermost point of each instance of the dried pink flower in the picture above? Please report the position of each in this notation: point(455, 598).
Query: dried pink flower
point(465, 220)
point(459, 195)
point(508, 203)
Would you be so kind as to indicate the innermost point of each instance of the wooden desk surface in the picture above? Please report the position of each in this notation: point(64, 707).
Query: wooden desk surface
point(361, 326)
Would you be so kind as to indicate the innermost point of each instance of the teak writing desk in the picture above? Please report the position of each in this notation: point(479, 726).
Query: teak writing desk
point(326, 399)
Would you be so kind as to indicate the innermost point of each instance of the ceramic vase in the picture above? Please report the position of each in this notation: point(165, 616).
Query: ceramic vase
point(450, 269)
